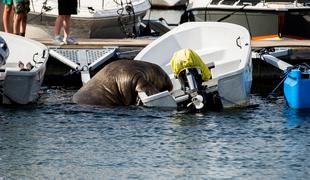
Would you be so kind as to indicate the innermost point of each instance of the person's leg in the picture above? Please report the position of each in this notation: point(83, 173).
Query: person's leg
point(58, 25)
point(6, 18)
point(25, 9)
point(58, 39)
point(66, 24)
point(17, 23)
point(23, 24)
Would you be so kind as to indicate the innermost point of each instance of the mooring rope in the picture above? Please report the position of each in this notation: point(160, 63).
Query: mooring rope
point(131, 14)
point(302, 67)
point(276, 88)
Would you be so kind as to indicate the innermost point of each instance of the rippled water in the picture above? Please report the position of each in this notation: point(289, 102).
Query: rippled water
point(55, 139)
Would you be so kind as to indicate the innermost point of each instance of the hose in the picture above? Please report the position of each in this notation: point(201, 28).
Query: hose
point(131, 14)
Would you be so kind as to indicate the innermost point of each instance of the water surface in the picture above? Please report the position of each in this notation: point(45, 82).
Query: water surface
point(55, 139)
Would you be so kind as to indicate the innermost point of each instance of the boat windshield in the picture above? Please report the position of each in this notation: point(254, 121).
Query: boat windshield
point(291, 1)
point(232, 2)
point(253, 2)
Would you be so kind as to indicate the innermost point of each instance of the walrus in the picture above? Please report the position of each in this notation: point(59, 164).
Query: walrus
point(119, 82)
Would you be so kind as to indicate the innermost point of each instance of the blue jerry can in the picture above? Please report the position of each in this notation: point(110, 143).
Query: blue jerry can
point(297, 89)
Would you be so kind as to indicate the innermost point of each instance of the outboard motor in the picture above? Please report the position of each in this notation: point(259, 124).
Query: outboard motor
point(191, 71)
point(4, 51)
point(191, 83)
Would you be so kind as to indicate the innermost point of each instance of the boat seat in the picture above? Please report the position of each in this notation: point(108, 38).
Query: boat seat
point(224, 62)
point(208, 54)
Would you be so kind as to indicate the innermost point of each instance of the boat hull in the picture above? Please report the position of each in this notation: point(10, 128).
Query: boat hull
point(22, 88)
point(168, 3)
point(110, 21)
point(234, 90)
point(105, 27)
point(263, 19)
point(262, 25)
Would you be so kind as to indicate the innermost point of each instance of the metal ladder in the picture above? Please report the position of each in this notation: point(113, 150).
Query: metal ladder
point(83, 60)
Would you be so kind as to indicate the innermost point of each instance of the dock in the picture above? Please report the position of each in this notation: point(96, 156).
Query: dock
point(129, 48)
point(97, 43)
point(279, 43)
point(299, 51)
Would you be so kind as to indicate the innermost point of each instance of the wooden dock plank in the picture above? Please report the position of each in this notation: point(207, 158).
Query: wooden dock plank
point(279, 43)
point(96, 43)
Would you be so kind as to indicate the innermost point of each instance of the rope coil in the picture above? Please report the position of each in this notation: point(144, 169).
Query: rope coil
point(123, 22)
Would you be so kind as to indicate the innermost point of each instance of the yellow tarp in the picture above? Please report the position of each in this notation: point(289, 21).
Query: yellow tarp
point(187, 58)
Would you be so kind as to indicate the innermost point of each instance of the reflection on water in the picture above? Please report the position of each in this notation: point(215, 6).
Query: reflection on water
point(296, 117)
point(60, 140)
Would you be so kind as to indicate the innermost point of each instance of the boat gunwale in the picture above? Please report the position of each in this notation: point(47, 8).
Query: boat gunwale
point(142, 13)
point(233, 9)
point(36, 69)
point(139, 9)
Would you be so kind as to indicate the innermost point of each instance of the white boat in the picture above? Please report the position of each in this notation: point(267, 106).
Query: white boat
point(21, 86)
point(95, 18)
point(265, 19)
point(168, 3)
point(225, 45)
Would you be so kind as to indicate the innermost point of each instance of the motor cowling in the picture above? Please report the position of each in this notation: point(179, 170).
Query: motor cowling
point(4, 51)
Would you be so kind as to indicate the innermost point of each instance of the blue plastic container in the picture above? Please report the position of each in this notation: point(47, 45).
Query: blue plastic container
point(297, 89)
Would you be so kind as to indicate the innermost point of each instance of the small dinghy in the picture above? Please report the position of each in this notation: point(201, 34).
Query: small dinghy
point(296, 79)
point(223, 47)
point(296, 87)
point(22, 74)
